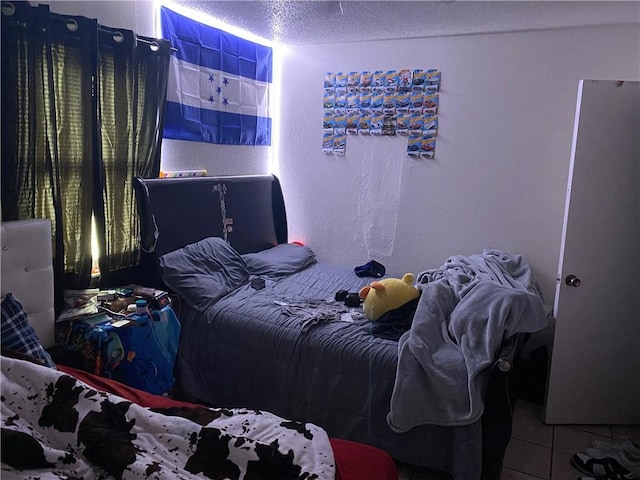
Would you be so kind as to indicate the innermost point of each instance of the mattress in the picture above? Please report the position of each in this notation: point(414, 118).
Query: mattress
point(245, 351)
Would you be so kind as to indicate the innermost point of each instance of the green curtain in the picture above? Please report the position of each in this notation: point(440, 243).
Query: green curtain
point(47, 131)
point(132, 78)
point(82, 110)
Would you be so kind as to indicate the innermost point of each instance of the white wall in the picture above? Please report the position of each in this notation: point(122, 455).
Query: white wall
point(133, 15)
point(499, 177)
point(138, 15)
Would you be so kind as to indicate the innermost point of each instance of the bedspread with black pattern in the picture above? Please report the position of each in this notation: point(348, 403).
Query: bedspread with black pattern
point(56, 427)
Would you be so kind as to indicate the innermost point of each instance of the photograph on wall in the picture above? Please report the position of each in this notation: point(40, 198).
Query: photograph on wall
point(402, 123)
point(327, 140)
point(364, 122)
point(430, 104)
point(414, 144)
point(430, 127)
point(352, 121)
point(428, 146)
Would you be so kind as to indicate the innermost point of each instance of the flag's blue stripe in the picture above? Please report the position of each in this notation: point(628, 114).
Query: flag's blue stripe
point(213, 126)
point(215, 49)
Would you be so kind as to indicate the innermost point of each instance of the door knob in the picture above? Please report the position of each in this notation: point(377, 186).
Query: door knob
point(572, 281)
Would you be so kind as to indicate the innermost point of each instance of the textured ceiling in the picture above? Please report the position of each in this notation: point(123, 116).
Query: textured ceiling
point(317, 22)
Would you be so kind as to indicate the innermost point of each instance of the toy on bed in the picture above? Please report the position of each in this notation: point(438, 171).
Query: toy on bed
point(391, 304)
point(388, 294)
point(71, 415)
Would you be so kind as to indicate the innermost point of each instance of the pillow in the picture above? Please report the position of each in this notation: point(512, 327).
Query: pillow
point(282, 259)
point(18, 335)
point(203, 272)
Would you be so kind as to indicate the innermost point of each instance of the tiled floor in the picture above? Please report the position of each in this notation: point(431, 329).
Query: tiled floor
point(538, 451)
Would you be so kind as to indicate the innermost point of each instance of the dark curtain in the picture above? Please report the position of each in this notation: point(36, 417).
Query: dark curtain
point(82, 112)
point(132, 78)
point(47, 125)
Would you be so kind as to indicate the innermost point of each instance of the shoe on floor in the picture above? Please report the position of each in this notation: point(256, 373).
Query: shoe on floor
point(600, 468)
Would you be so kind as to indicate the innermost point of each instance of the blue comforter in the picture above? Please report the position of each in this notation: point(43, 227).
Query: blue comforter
point(465, 310)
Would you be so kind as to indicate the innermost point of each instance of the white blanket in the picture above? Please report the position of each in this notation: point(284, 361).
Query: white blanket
point(466, 308)
point(55, 427)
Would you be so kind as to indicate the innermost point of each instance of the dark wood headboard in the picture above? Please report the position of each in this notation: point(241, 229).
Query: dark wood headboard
point(248, 211)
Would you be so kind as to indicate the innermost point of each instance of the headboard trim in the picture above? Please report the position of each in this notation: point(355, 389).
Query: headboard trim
point(27, 272)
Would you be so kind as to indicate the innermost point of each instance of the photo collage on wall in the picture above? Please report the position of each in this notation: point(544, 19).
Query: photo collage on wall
point(381, 103)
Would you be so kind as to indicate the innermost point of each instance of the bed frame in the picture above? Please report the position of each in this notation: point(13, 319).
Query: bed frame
point(249, 212)
point(27, 270)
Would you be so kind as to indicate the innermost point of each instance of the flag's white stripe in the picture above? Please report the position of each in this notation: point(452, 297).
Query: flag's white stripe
point(191, 85)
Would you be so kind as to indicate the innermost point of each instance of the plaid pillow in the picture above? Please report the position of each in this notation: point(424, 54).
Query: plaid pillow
point(18, 335)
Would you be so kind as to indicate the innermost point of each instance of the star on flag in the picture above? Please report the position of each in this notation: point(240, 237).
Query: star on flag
point(217, 94)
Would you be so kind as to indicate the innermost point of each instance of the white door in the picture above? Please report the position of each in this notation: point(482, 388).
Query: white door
point(594, 374)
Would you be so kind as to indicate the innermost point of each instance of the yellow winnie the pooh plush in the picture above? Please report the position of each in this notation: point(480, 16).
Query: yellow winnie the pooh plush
point(387, 294)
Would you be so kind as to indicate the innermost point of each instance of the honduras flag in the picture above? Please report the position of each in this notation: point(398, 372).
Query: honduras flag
point(218, 87)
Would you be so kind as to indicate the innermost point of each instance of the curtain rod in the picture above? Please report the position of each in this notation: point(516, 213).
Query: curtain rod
point(72, 25)
point(138, 38)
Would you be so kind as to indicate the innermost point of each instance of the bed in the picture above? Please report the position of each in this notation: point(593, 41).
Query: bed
point(255, 332)
point(67, 423)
